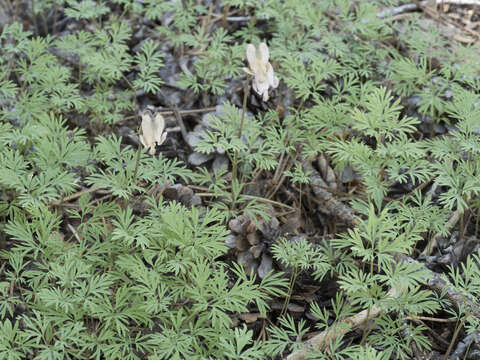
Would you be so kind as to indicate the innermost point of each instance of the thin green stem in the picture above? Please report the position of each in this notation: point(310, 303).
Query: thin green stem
point(139, 152)
point(32, 6)
point(240, 130)
point(368, 329)
point(290, 290)
point(454, 338)
point(300, 198)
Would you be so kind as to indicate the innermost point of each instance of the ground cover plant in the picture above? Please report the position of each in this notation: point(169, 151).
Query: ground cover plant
point(239, 179)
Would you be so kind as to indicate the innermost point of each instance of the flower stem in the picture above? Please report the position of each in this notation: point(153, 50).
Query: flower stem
point(139, 151)
point(240, 130)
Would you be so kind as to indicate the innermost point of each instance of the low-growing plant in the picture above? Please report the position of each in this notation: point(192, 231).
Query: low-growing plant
point(96, 264)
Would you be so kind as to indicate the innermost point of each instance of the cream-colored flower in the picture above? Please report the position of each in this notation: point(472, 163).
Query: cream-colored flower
point(152, 131)
point(260, 69)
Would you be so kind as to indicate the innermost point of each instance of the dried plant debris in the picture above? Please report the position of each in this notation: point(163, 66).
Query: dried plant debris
point(139, 154)
point(327, 172)
point(251, 242)
point(183, 194)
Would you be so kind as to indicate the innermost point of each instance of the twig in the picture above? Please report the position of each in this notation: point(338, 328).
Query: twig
point(171, 112)
point(240, 130)
point(238, 18)
point(448, 227)
point(256, 198)
point(284, 168)
point(458, 2)
point(397, 10)
point(322, 340)
point(418, 5)
point(427, 318)
point(191, 111)
point(74, 196)
point(433, 333)
point(463, 346)
point(96, 201)
point(435, 283)
point(444, 19)
point(74, 232)
point(180, 123)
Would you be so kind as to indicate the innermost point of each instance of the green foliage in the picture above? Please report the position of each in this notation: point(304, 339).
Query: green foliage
point(131, 276)
point(151, 286)
point(118, 174)
point(254, 153)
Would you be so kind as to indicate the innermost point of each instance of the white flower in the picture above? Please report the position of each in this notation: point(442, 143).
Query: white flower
point(260, 69)
point(152, 131)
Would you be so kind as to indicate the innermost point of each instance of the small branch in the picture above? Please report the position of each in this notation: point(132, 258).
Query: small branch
point(256, 198)
point(435, 283)
point(74, 232)
point(238, 18)
point(458, 2)
point(417, 6)
point(322, 340)
point(448, 227)
point(181, 124)
point(427, 318)
point(191, 111)
point(463, 346)
point(397, 10)
point(74, 196)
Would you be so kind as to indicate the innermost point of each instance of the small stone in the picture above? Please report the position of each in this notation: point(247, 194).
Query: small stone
point(185, 195)
point(348, 174)
point(265, 266)
point(192, 138)
point(221, 161)
point(170, 97)
point(295, 308)
point(195, 200)
point(171, 192)
point(197, 159)
point(185, 191)
point(198, 129)
point(413, 101)
point(274, 223)
point(251, 317)
point(207, 120)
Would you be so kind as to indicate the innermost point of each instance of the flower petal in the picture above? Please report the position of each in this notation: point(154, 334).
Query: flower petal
point(147, 129)
point(162, 138)
point(248, 71)
point(251, 56)
point(272, 79)
point(265, 96)
point(275, 82)
point(264, 53)
point(158, 127)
